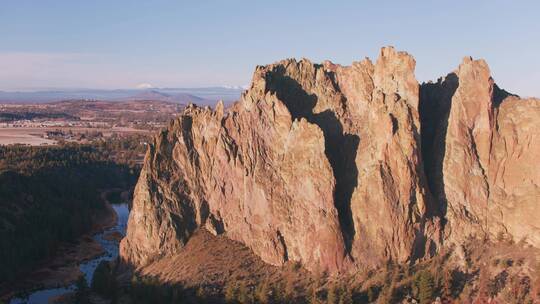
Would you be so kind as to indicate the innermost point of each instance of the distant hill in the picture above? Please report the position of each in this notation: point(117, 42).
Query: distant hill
point(200, 96)
point(154, 95)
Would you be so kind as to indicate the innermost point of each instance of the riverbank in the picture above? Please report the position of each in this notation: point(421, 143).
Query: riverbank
point(63, 269)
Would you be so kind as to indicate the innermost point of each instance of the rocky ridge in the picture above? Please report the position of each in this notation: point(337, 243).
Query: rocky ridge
point(344, 167)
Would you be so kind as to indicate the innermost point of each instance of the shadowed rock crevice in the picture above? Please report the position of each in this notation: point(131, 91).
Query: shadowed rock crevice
point(434, 110)
point(395, 125)
point(340, 147)
point(499, 95)
point(187, 124)
point(190, 215)
point(283, 245)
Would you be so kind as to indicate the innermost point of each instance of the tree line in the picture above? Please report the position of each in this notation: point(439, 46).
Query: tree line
point(50, 196)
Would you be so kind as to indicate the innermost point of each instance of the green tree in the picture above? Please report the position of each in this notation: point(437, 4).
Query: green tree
point(332, 295)
point(244, 296)
point(263, 292)
point(49, 196)
point(279, 295)
point(290, 289)
point(103, 281)
point(312, 296)
point(425, 284)
point(201, 294)
point(345, 296)
point(388, 294)
point(81, 290)
point(231, 292)
point(372, 293)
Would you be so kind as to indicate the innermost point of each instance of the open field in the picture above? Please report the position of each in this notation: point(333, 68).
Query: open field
point(36, 136)
point(81, 121)
point(9, 136)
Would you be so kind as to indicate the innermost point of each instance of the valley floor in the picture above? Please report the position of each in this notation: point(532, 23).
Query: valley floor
point(63, 269)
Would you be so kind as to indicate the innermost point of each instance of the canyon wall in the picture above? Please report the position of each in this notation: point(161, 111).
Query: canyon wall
point(343, 167)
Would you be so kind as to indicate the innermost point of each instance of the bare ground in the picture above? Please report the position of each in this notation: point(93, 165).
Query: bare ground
point(209, 260)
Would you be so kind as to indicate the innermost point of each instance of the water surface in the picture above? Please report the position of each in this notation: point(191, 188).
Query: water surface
point(87, 268)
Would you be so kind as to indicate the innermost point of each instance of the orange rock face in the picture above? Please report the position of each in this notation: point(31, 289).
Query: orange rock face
point(487, 178)
point(334, 167)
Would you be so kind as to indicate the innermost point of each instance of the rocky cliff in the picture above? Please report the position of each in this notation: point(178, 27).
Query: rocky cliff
point(481, 153)
point(344, 167)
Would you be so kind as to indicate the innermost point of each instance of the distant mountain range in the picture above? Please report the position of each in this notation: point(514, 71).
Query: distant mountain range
point(200, 96)
point(160, 96)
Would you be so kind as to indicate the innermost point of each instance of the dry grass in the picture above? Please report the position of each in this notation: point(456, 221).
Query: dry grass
point(209, 260)
point(477, 271)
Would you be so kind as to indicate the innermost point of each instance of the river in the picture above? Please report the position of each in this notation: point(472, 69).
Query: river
point(88, 267)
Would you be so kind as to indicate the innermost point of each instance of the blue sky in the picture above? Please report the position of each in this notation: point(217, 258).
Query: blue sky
point(121, 44)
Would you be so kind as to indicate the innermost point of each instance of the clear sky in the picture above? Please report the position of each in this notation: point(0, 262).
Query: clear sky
point(121, 44)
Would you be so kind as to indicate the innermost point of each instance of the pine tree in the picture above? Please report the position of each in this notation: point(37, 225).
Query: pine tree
point(201, 294)
point(388, 293)
point(345, 296)
point(102, 280)
point(243, 294)
point(372, 294)
point(81, 291)
point(332, 296)
point(263, 292)
point(425, 287)
point(279, 293)
point(230, 293)
point(447, 288)
point(289, 289)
